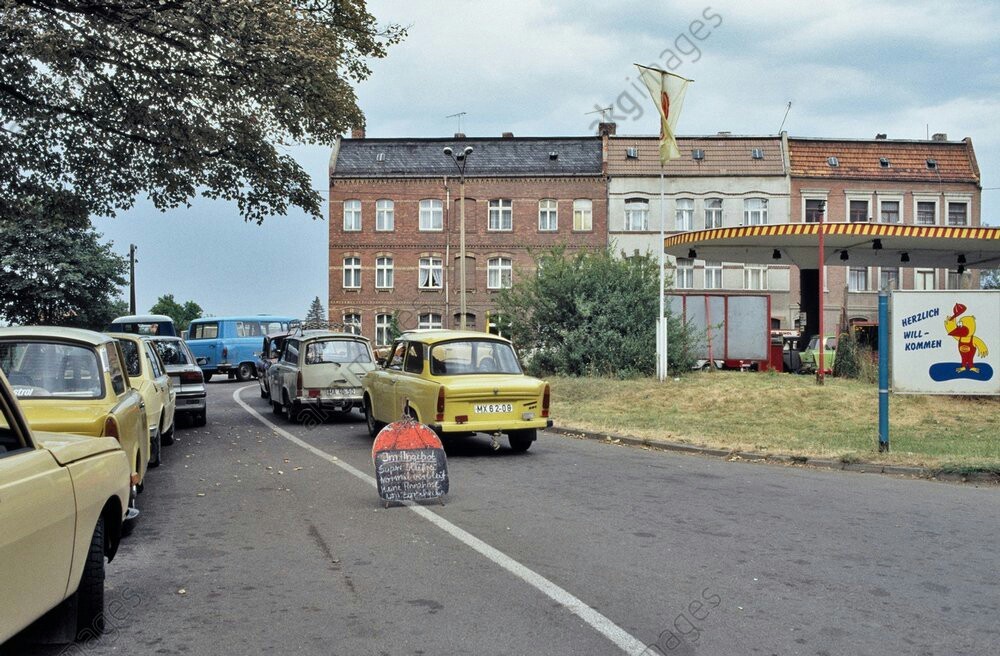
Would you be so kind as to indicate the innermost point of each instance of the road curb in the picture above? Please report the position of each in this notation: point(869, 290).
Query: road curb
point(781, 459)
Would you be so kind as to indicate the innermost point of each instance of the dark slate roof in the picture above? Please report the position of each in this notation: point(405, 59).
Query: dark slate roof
point(492, 157)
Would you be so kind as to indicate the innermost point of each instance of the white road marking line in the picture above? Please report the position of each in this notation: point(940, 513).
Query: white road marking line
point(622, 638)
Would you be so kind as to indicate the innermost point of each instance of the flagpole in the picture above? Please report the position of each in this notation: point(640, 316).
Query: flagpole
point(661, 326)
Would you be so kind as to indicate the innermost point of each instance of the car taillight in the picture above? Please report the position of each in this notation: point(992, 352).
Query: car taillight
point(546, 397)
point(313, 393)
point(191, 378)
point(111, 428)
point(225, 352)
point(440, 407)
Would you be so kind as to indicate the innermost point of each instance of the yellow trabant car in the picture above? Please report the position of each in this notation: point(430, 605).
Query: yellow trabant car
point(457, 382)
point(148, 374)
point(70, 380)
point(62, 502)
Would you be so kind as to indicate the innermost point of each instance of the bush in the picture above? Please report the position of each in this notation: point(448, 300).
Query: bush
point(854, 360)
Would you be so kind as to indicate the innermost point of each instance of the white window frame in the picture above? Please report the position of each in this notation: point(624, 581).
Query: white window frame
point(948, 275)
point(429, 320)
point(752, 271)
point(431, 215)
point(820, 195)
point(352, 272)
point(899, 276)
point(684, 273)
point(583, 215)
point(891, 199)
point(920, 277)
point(352, 323)
point(713, 215)
point(548, 215)
point(427, 268)
point(684, 214)
point(934, 200)
point(385, 215)
point(500, 215)
point(713, 275)
point(499, 273)
point(948, 202)
point(383, 329)
point(752, 215)
point(636, 215)
point(857, 197)
point(384, 272)
point(852, 286)
point(352, 215)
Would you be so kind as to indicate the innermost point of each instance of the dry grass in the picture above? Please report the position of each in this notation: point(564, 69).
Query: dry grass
point(786, 414)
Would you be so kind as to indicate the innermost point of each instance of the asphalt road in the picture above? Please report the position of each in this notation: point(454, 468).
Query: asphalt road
point(254, 543)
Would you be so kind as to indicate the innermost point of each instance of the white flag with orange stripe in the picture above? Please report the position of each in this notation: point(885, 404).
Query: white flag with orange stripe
point(667, 91)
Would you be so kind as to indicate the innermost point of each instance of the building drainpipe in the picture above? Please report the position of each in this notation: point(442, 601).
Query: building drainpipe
point(447, 253)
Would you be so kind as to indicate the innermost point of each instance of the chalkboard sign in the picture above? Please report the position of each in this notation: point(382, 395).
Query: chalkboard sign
point(410, 463)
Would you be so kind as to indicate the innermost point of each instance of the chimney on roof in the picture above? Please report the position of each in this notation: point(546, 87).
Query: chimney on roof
point(358, 133)
point(460, 135)
point(507, 135)
point(939, 136)
point(881, 136)
point(607, 129)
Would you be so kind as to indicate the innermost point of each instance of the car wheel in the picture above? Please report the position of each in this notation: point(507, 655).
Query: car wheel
point(90, 594)
point(154, 449)
point(244, 372)
point(374, 426)
point(208, 376)
point(167, 438)
point(201, 418)
point(132, 515)
point(276, 407)
point(520, 440)
point(263, 392)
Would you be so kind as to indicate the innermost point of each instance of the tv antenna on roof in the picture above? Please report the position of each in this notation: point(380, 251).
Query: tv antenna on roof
point(788, 108)
point(459, 116)
point(603, 111)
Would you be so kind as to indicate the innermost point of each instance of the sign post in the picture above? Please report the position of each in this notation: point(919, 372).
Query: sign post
point(883, 371)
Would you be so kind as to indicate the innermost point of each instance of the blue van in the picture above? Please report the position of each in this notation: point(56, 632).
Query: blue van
point(144, 324)
point(227, 345)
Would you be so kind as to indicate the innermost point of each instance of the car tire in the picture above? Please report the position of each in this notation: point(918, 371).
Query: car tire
point(200, 418)
point(167, 438)
point(277, 408)
point(129, 524)
point(154, 450)
point(244, 372)
point(263, 392)
point(520, 440)
point(208, 376)
point(374, 426)
point(90, 594)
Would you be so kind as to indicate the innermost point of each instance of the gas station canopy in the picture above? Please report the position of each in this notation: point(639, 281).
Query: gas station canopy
point(845, 244)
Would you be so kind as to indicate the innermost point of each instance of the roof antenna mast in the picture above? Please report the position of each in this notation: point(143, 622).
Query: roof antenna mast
point(788, 108)
point(459, 116)
point(604, 111)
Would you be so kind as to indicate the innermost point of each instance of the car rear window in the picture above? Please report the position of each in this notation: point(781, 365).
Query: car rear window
point(52, 370)
point(172, 352)
point(473, 357)
point(132, 363)
point(340, 351)
point(205, 330)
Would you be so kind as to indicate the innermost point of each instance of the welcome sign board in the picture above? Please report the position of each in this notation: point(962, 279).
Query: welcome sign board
point(945, 342)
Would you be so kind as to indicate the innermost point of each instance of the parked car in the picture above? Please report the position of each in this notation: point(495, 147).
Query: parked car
point(319, 370)
point(147, 374)
point(810, 356)
point(458, 383)
point(184, 372)
point(143, 324)
point(269, 354)
point(64, 499)
point(70, 380)
point(226, 345)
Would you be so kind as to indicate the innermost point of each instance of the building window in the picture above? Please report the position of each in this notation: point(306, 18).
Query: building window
point(954, 279)
point(470, 321)
point(431, 273)
point(926, 212)
point(858, 211)
point(923, 280)
point(815, 208)
point(383, 329)
point(754, 211)
point(352, 323)
point(385, 219)
point(352, 215)
point(383, 273)
point(684, 213)
point(888, 278)
point(755, 276)
point(684, 275)
point(713, 275)
point(431, 215)
point(498, 273)
point(857, 279)
point(889, 211)
point(548, 215)
point(713, 213)
point(583, 214)
point(429, 320)
point(501, 215)
point(958, 214)
point(636, 214)
point(352, 273)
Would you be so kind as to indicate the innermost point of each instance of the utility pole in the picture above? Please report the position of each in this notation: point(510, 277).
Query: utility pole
point(131, 278)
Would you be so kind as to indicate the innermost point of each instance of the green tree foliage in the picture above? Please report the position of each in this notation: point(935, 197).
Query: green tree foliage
point(182, 315)
point(591, 313)
point(116, 98)
point(990, 279)
point(316, 314)
point(53, 268)
point(854, 360)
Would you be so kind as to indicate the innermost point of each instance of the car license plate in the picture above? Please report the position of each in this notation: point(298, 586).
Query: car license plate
point(493, 408)
point(340, 392)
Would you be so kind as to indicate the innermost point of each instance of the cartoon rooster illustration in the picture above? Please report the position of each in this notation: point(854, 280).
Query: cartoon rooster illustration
point(964, 332)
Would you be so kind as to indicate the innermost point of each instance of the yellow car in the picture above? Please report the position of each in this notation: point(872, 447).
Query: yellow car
point(148, 374)
point(70, 380)
point(62, 502)
point(457, 382)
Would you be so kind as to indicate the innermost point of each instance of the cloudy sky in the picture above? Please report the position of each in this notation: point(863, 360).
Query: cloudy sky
point(850, 69)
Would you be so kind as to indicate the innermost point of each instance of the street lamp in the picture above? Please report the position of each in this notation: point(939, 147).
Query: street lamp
point(460, 162)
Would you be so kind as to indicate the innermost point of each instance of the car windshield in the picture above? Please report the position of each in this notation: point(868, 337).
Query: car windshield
point(51, 369)
point(340, 351)
point(171, 352)
point(474, 356)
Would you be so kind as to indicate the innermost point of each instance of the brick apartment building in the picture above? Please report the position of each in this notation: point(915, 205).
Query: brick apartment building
point(394, 223)
point(919, 182)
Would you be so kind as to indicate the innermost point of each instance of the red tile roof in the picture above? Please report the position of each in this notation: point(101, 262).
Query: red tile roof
point(725, 155)
point(907, 160)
